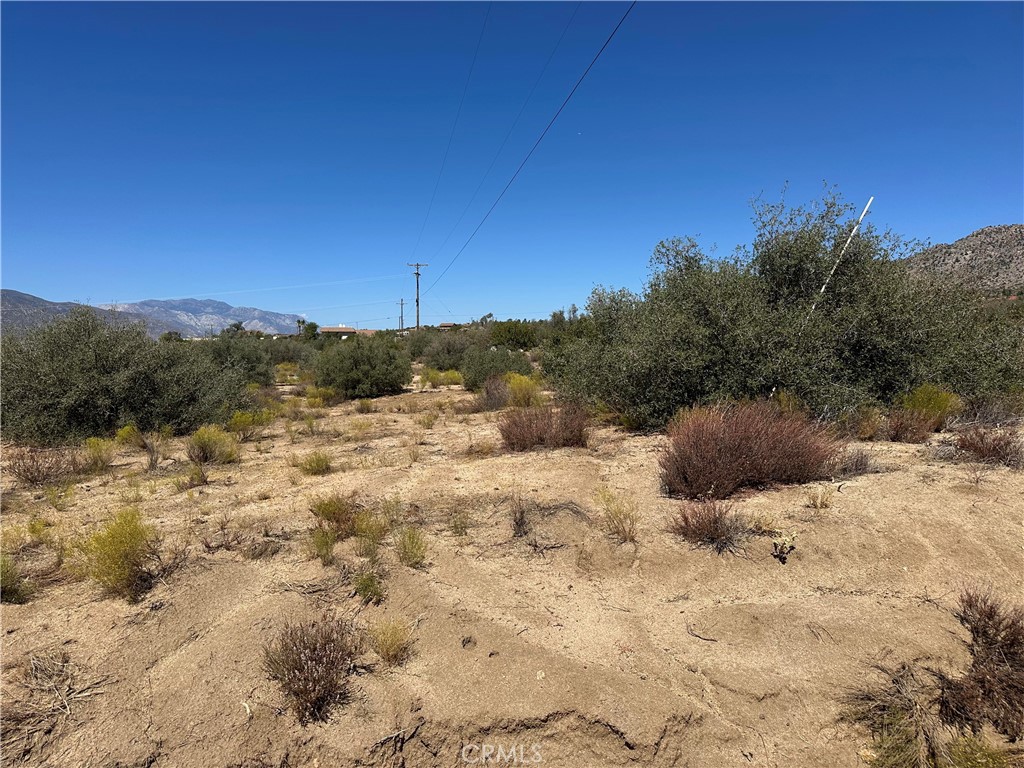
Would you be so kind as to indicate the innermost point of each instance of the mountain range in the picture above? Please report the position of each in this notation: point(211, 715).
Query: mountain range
point(189, 317)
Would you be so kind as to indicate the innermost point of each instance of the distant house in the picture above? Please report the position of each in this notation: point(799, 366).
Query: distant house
point(447, 326)
point(345, 331)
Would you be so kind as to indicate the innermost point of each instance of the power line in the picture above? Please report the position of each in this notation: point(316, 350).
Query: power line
point(451, 136)
point(534, 147)
point(512, 127)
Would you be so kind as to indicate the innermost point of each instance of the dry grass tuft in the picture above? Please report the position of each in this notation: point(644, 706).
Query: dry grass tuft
point(819, 497)
point(317, 463)
point(338, 512)
point(712, 524)
point(311, 662)
point(14, 587)
point(621, 516)
point(715, 451)
point(411, 546)
point(856, 462)
point(391, 640)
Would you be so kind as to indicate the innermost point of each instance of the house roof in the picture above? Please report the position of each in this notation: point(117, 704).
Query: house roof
point(337, 329)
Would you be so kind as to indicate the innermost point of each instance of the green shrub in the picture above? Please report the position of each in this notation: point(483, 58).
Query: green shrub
point(311, 662)
point(451, 379)
point(14, 588)
point(446, 351)
point(315, 463)
point(430, 378)
point(364, 366)
point(129, 436)
point(933, 403)
point(369, 587)
point(479, 364)
point(120, 556)
point(338, 512)
point(524, 392)
point(249, 425)
point(247, 356)
point(82, 377)
point(706, 329)
point(411, 547)
point(321, 543)
point(364, 405)
point(211, 445)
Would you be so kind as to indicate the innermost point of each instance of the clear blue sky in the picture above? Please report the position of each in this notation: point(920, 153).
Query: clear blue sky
point(158, 150)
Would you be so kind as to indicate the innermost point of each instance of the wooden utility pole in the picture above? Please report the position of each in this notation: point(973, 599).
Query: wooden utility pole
point(417, 273)
point(401, 315)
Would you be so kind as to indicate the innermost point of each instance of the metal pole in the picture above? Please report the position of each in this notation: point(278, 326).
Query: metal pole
point(417, 273)
point(401, 315)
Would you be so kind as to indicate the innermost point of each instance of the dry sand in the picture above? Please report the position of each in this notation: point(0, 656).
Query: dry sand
point(598, 653)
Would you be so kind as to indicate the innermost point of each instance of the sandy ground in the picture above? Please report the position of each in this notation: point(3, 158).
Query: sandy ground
point(563, 644)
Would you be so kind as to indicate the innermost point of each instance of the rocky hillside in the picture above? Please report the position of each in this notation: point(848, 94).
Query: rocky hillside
point(991, 259)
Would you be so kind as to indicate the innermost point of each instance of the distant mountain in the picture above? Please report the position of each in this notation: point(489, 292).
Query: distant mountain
point(203, 317)
point(189, 317)
point(991, 259)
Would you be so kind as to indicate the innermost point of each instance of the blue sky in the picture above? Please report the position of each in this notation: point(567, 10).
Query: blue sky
point(237, 150)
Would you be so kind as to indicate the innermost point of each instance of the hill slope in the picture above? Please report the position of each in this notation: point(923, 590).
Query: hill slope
point(23, 311)
point(991, 258)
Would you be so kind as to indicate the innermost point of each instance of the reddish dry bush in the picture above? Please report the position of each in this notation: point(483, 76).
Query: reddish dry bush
point(525, 428)
point(711, 524)
point(992, 690)
point(993, 446)
point(311, 662)
point(715, 451)
point(909, 426)
point(37, 466)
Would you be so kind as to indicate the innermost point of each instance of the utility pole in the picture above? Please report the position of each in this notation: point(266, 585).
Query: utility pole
point(401, 315)
point(417, 273)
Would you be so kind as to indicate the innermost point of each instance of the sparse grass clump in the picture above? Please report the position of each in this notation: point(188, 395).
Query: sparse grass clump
point(427, 419)
point(97, 454)
point(411, 547)
point(122, 555)
point(34, 466)
point(621, 515)
point(819, 497)
point(992, 689)
point(525, 428)
point(856, 462)
point(369, 586)
point(993, 446)
point(14, 587)
point(321, 543)
point(194, 478)
point(337, 511)
point(391, 640)
point(371, 529)
point(365, 405)
point(715, 451)
point(249, 425)
point(211, 445)
point(316, 463)
point(710, 523)
point(311, 662)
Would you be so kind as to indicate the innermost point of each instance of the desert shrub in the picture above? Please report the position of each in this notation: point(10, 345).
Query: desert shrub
point(905, 426)
point(211, 445)
point(933, 403)
point(906, 733)
point(715, 451)
point(249, 425)
point(514, 334)
point(479, 364)
point(323, 395)
point(322, 539)
point(311, 662)
point(430, 378)
point(993, 409)
point(706, 329)
point(364, 367)
point(97, 454)
point(993, 446)
point(82, 377)
point(248, 357)
point(129, 436)
point(369, 586)
point(446, 351)
point(411, 546)
point(364, 405)
point(122, 555)
point(338, 512)
point(194, 478)
point(37, 466)
point(494, 395)
point(866, 422)
point(314, 463)
point(712, 524)
point(371, 528)
point(992, 689)
point(855, 462)
point(524, 392)
point(621, 516)
point(391, 640)
point(525, 428)
point(451, 378)
point(427, 420)
point(14, 587)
